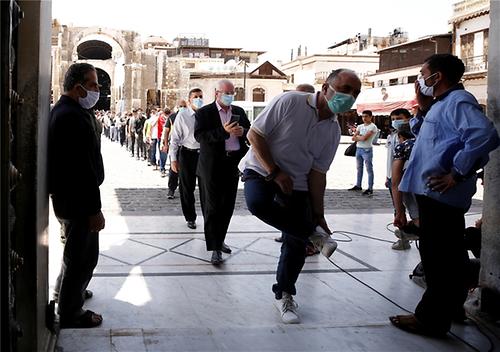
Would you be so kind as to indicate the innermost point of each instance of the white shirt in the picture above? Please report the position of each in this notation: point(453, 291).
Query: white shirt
point(392, 142)
point(297, 139)
point(363, 130)
point(183, 133)
point(154, 126)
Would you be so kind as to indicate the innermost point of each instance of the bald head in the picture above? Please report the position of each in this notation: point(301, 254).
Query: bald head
point(304, 87)
point(345, 81)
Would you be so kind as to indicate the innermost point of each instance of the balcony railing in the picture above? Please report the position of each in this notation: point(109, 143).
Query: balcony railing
point(476, 63)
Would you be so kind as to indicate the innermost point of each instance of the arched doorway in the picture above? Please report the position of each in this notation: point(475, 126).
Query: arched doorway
point(94, 50)
point(104, 102)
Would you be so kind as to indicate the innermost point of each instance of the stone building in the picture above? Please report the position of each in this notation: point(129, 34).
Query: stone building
point(471, 22)
point(136, 72)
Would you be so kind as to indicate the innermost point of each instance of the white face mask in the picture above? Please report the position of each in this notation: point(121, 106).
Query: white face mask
point(90, 100)
point(424, 88)
point(197, 102)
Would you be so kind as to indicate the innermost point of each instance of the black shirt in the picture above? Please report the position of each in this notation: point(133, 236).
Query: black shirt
point(75, 169)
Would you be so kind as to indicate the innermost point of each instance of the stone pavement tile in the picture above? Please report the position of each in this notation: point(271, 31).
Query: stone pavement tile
point(84, 340)
point(131, 252)
point(127, 340)
point(196, 339)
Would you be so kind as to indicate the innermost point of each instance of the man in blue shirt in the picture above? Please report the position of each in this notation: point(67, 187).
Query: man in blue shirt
point(453, 141)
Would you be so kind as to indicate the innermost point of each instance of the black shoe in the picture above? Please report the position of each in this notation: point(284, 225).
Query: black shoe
point(216, 258)
point(368, 192)
point(170, 195)
point(355, 188)
point(226, 249)
point(191, 224)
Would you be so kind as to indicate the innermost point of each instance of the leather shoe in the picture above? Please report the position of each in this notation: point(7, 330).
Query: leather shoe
point(191, 224)
point(216, 258)
point(226, 249)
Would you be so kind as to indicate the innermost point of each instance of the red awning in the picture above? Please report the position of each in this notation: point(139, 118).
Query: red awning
point(383, 100)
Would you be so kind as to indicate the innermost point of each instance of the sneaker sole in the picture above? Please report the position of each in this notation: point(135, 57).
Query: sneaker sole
point(329, 249)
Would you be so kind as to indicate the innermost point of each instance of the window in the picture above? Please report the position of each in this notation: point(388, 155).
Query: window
point(393, 82)
point(485, 41)
point(240, 94)
point(467, 46)
point(259, 94)
point(412, 79)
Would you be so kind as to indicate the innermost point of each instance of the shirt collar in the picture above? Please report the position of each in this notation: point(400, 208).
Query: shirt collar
point(458, 86)
point(312, 101)
point(219, 108)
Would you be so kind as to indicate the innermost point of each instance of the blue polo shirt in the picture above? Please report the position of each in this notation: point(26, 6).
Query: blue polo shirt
point(453, 136)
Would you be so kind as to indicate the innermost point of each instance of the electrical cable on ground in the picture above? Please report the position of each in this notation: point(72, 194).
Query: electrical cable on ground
point(349, 239)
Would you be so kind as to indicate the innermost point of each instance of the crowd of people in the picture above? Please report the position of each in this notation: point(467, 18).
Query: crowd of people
point(283, 159)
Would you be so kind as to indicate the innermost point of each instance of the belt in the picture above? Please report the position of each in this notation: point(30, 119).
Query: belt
point(190, 150)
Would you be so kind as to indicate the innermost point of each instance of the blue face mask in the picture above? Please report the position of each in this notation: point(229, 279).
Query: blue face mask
point(340, 102)
point(197, 102)
point(226, 99)
point(397, 124)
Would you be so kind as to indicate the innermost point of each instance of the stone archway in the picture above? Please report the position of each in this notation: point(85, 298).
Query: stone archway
point(104, 102)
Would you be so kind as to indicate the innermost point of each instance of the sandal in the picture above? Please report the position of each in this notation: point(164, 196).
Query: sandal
point(89, 319)
point(410, 323)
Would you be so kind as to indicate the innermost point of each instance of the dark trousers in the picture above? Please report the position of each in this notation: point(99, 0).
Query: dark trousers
point(445, 262)
point(188, 160)
point(152, 151)
point(173, 180)
point(140, 146)
point(132, 143)
point(291, 214)
point(218, 196)
point(81, 252)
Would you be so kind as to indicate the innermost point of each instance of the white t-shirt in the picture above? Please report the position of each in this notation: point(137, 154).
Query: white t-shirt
point(364, 129)
point(297, 140)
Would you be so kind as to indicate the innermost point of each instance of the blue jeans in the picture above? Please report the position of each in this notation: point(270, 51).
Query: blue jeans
point(364, 155)
point(291, 214)
point(163, 160)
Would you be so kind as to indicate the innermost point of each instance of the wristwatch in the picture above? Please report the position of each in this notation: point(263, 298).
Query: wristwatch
point(273, 174)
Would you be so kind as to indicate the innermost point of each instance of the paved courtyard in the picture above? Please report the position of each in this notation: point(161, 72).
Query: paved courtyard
point(157, 290)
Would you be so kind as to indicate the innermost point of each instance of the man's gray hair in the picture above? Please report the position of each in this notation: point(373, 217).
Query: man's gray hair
point(76, 75)
point(223, 82)
point(336, 73)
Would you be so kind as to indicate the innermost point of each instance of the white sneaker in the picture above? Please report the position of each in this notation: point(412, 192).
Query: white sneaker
point(406, 236)
point(323, 242)
point(401, 245)
point(288, 309)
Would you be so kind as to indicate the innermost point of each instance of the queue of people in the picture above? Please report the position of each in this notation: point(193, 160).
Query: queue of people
point(283, 159)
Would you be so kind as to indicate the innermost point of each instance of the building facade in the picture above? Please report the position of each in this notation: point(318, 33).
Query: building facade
point(471, 22)
point(140, 73)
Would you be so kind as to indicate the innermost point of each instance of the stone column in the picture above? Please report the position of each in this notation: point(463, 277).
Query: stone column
point(32, 207)
point(490, 252)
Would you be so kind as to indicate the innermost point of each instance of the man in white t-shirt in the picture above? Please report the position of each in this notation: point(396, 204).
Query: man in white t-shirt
point(293, 142)
point(364, 136)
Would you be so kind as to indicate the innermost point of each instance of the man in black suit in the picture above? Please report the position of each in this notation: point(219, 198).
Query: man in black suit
point(221, 130)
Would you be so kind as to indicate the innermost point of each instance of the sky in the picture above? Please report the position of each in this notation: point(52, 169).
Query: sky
point(275, 26)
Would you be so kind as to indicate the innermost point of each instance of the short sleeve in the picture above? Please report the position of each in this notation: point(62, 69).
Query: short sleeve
point(399, 152)
point(272, 115)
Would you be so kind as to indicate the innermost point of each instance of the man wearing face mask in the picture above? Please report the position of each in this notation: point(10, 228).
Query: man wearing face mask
point(293, 142)
point(75, 172)
point(453, 141)
point(221, 130)
point(184, 151)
